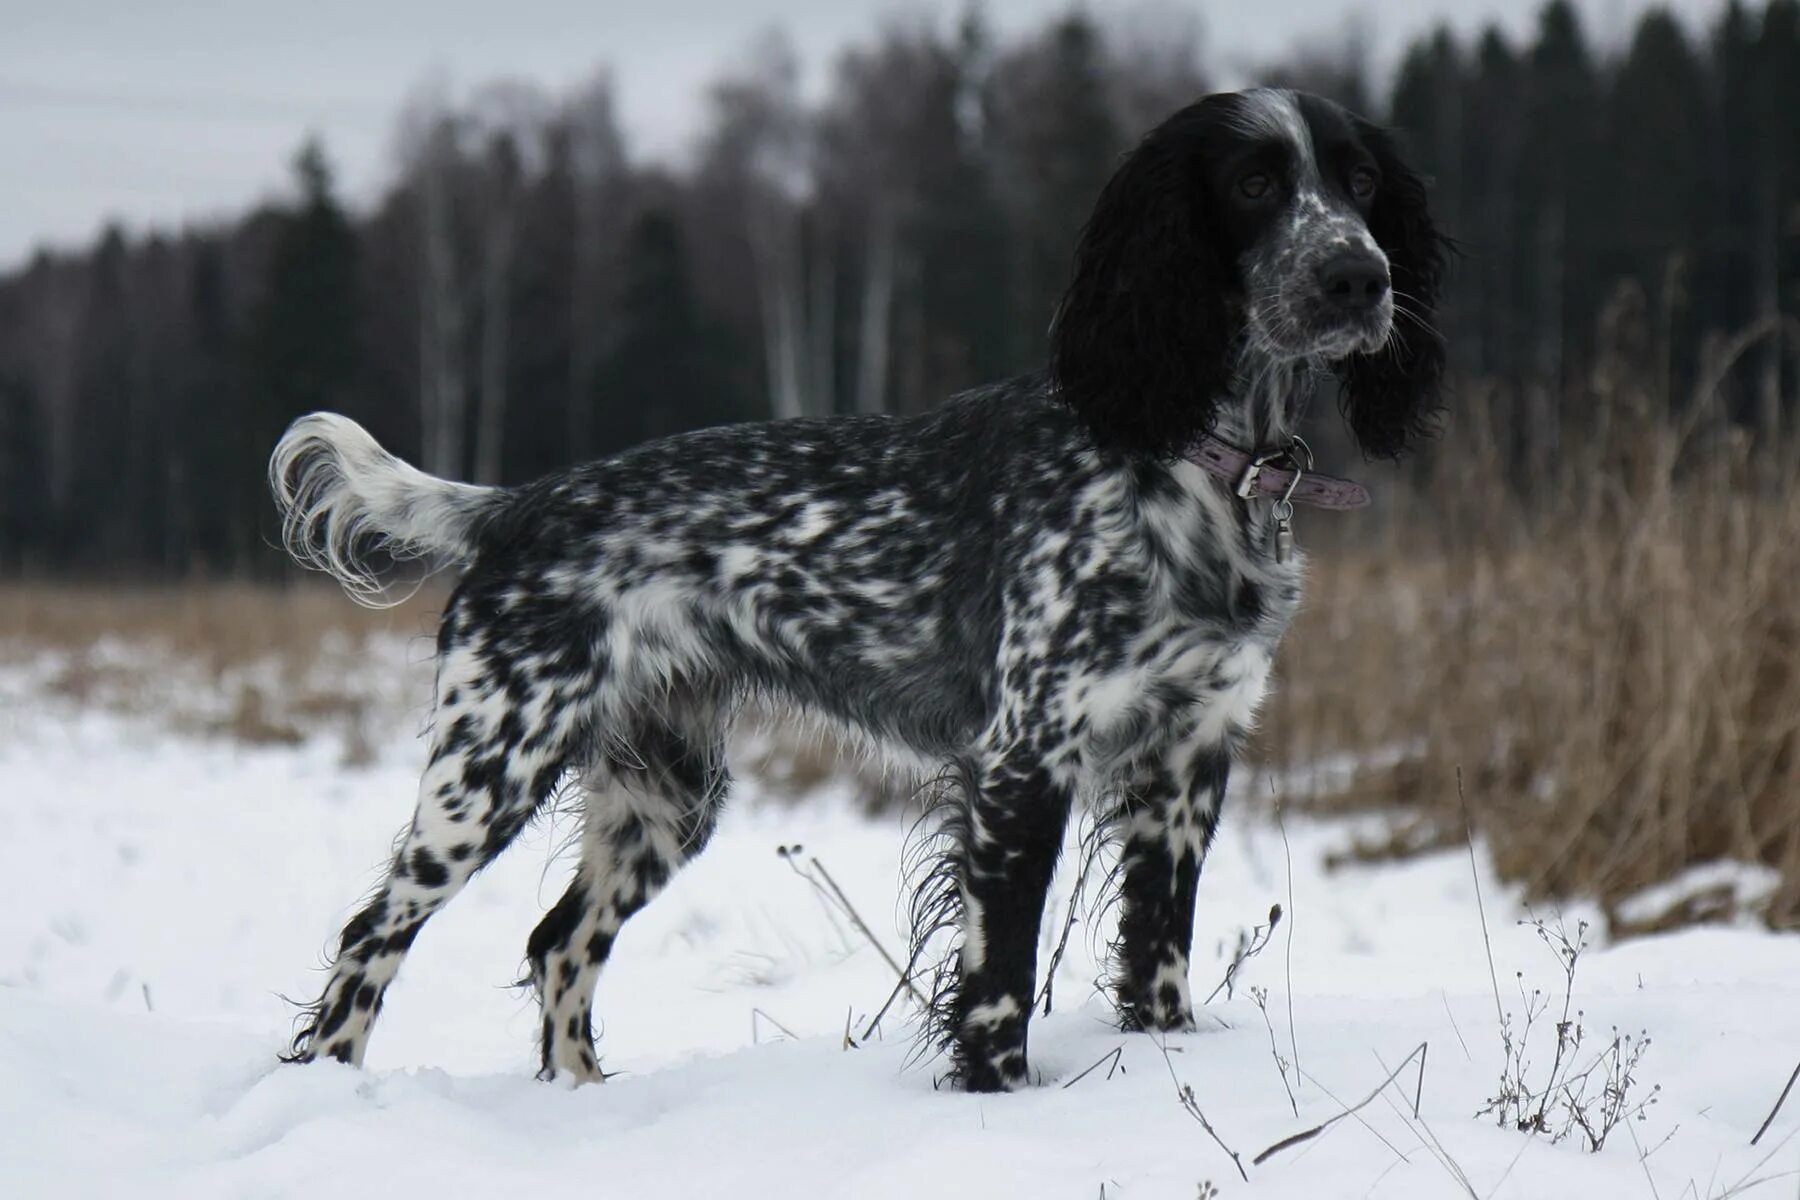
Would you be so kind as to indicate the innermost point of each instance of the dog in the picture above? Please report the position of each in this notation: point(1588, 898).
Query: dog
point(1065, 588)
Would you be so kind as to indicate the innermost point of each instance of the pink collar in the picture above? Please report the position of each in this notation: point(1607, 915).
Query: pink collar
point(1282, 474)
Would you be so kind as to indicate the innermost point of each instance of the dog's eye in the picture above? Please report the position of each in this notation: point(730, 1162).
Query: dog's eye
point(1256, 186)
point(1363, 182)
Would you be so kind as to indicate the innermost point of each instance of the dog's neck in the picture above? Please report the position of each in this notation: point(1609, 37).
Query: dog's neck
point(1268, 399)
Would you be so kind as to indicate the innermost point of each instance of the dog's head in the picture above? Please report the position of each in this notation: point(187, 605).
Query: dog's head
point(1253, 229)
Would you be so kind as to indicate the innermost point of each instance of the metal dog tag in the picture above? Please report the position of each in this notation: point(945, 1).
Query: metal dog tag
point(1284, 531)
point(1283, 512)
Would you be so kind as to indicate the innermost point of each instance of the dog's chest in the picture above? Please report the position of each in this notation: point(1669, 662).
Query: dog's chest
point(1209, 562)
point(1195, 620)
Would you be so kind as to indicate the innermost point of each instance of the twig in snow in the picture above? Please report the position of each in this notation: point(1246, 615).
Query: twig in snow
point(1090, 852)
point(1249, 946)
point(1287, 855)
point(1744, 1182)
point(1332, 1096)
point(149, 1007)
point(754, 1031)
point(1116, 1054)
point(1454, 1028)
point(1429, 1140)
point(1306, 1135)
point(863, 927)
point(1524, 1145)
point(900, 985)
point(791, 856)
point(1740, 1188)
point(1779, 1101)
point(1661, 1142)
point(1454, 1168)
point(1480, 907)
point(1185, 1094)
point(816, 874)
point(1261, 998)
point(1643, 1162)
point(1385, 1172)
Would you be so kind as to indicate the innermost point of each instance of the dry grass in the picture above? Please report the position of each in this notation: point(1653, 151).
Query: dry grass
point(217, 624)
point(1613, 658)
point(259, 664)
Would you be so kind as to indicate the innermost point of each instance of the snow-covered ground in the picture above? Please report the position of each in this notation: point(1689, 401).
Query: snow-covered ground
point(158, 894)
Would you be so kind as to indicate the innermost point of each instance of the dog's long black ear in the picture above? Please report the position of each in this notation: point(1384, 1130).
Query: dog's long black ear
point(1391, 398)
point(1140, 342)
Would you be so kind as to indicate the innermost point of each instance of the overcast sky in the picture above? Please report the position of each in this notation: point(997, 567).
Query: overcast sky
point(160, 111)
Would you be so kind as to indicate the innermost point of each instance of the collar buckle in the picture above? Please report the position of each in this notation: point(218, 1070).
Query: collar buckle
point(1297, 456)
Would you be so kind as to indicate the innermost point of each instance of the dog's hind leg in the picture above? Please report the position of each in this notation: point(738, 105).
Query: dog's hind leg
point(499, 742)
point(1167, 818)
point(650, 808)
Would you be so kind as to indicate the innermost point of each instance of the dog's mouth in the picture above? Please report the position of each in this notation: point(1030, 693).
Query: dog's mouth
point(1312, 326)
point(1340, 334)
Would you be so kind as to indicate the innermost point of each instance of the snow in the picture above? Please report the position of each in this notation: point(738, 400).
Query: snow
point(162, 891)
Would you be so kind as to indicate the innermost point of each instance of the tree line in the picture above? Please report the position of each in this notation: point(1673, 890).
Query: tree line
point(527, 293)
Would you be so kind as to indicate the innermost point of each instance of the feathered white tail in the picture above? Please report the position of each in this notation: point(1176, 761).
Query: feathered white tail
point(342, 495)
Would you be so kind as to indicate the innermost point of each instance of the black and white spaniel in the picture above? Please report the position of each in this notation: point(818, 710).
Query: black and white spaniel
point(1063, 588)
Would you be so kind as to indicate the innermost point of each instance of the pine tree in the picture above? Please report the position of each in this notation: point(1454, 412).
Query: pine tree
point(956, 230)
point(1564, 201)
point(1427, 111)
point(24, 490)
point(305, 348)
point(1059, 142)
point(540, 429)
point(1489, 274)
point(1775, 244)
point(219, 461)
point(93, 516)
point(1731, 166)
point(669, 368)
point(1656, 231)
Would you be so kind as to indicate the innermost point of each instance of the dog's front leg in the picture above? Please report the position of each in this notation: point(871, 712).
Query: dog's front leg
point(1016, 818)
point(1168, 819)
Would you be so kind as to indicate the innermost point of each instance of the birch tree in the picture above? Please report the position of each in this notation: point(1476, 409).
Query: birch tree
point(430, 153)
point(507, 122)
point(758, 147)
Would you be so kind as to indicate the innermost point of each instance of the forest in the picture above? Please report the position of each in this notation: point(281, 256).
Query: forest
point(529, 293)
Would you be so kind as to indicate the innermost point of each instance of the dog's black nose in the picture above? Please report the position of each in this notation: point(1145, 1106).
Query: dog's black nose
point(1354, 282)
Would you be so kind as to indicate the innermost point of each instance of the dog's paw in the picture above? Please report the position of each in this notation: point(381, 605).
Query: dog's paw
point(1006, 1073)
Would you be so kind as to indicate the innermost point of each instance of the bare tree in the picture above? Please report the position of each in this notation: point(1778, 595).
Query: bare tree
point(760, 147)
point(509, 118)
point(1056, 138)
point(821, 308)
point(878, 143)
point(597, 169)
point(877, 309)
point(499, 235)
point(429, 149)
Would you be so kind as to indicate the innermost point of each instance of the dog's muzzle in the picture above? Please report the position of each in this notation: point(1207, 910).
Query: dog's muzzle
point(1354, 282)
